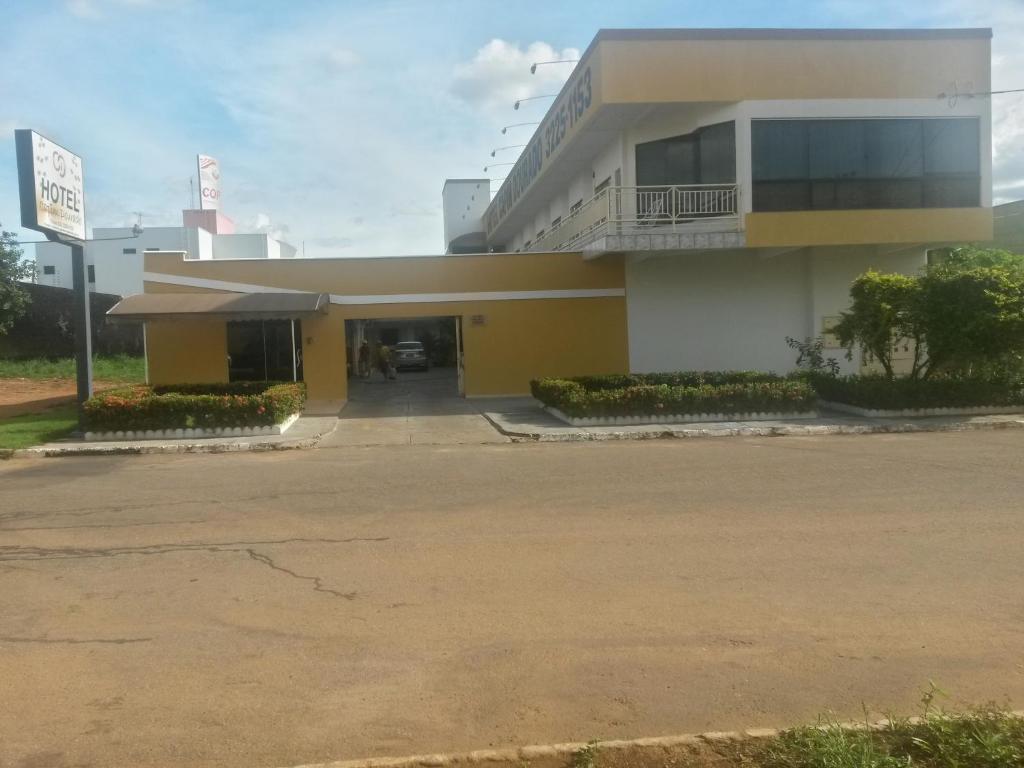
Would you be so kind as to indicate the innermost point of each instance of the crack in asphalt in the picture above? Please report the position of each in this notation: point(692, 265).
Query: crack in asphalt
point(29, 554)
point(318, 585)
point(75, 640)
point(97, 525)
point(148, 505)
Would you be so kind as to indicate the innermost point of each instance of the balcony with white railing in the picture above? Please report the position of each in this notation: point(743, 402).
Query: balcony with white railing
point(650, 218)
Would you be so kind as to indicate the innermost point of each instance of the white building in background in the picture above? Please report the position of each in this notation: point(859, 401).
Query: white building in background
point(114, 255)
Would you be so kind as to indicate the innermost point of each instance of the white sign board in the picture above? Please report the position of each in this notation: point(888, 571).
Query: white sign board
point(209, 183)
point(52, 189)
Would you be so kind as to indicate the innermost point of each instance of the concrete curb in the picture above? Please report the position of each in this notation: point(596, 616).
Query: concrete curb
point(213, 446)
point(560, 755)
point(571, 435)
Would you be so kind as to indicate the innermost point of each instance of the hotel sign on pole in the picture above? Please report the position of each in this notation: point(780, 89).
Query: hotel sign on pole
point(52, 191)
point(209, 183)
point(51, 186)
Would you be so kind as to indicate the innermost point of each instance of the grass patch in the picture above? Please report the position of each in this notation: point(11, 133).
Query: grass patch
point(987, 737)
point(116, 368)
point(34, 428)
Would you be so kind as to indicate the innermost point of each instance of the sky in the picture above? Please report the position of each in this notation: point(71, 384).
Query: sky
point(336, 122)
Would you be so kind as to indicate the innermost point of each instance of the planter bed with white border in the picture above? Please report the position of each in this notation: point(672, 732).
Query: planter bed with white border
point(674, 418)
point(183, 434)
point(903, 413)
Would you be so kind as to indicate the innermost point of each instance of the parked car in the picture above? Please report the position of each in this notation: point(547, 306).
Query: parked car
point(409, 354)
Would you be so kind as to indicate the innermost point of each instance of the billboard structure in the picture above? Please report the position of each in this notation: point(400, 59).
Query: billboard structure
point(50, 181)
point(209, 183)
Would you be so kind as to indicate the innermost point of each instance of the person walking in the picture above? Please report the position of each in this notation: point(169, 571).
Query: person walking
point(384, 361)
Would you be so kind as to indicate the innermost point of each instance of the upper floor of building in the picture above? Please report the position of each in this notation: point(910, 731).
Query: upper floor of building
point(680, 139)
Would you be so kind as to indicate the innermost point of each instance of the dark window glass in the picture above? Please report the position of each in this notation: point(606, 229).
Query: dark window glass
point(706, 156)
point(779, 150)
point(718, 153)
point(951, 146)
point(50, 270)
point(880, 163)
point(91, 270)
point(127, 250)
point(261, 350)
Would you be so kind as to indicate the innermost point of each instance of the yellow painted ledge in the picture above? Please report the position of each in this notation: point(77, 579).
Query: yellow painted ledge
point(864, 227)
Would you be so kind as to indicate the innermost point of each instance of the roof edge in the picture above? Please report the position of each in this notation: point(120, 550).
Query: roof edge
point(778, 33)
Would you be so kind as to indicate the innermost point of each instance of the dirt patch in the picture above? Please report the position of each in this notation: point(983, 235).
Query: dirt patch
point(19, 396)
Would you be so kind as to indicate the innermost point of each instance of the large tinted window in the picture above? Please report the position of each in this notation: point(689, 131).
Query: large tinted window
point(706, 156)
point(882, 163)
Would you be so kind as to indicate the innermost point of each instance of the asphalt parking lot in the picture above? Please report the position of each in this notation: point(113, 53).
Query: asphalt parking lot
point(285, 608)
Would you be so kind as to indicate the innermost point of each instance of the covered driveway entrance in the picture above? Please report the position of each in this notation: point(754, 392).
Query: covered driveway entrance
point(417, 408)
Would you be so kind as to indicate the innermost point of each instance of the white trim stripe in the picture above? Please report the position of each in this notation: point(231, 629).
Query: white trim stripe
point(389, 298)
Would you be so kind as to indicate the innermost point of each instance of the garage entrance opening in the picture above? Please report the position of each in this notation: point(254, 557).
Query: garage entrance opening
point(411, 359)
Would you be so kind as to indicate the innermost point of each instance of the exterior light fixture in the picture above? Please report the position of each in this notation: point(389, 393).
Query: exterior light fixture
point(531, 98)
point(494, 165)
point(515, 125)
point(510, 146)
point(533, 67)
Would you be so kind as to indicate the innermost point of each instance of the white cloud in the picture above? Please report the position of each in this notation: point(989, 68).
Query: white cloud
point(499, 73)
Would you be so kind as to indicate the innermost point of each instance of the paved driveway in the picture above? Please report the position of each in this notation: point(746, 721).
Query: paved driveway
point(274, 609)
point(417, 408)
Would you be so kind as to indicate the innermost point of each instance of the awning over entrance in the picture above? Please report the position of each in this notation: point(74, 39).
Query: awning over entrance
point(224, 306)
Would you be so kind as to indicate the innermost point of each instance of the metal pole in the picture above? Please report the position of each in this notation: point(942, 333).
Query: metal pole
point(83, 329)
point(295, 367)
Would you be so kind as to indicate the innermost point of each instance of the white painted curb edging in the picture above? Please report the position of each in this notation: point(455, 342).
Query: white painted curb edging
point(674, 418)
point(564, 752)
point(909, 413)
point(179, 434)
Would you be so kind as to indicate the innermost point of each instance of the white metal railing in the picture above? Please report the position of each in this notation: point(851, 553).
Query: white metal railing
point(648, 209)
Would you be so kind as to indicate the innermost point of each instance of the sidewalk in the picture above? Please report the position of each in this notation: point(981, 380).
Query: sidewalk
point(525, 420)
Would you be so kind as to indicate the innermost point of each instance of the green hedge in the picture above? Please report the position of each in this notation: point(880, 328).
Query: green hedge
point(199, 406)
point(878, 392)
point(727, 392)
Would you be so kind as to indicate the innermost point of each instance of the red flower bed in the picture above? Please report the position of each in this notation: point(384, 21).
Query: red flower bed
point(194, 406)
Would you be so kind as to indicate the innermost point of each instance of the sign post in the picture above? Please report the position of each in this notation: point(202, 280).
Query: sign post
point(50, 182)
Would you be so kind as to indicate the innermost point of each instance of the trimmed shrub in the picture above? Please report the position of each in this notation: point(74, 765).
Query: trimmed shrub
point(882, 393)
point(694, 392)
point(198, 406)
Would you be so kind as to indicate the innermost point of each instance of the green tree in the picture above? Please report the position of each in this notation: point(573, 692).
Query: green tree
point(959, 318)
point(971, 257)
point(881, 312)
point(973, 319)
point(13, 298)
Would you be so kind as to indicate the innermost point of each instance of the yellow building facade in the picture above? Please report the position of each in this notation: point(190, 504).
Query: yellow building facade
point(521, 315)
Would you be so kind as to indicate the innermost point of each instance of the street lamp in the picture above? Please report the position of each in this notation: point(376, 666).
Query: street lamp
point(510, 146)
point(495, 165)
point(533, 67)
point(515, 125)
point(531, 98)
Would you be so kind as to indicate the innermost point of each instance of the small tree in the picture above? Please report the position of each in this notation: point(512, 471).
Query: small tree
point(959, 318)
point(973, 319)
point(882, 311)
point(13, 298)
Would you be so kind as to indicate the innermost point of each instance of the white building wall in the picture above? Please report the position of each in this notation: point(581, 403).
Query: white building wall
point(117, 256)
point(732, 310)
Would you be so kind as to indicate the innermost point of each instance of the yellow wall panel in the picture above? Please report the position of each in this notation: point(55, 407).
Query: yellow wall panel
point(864, 227)
point(187, 351)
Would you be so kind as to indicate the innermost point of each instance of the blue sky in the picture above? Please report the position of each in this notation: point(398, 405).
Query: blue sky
point(336, 123)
